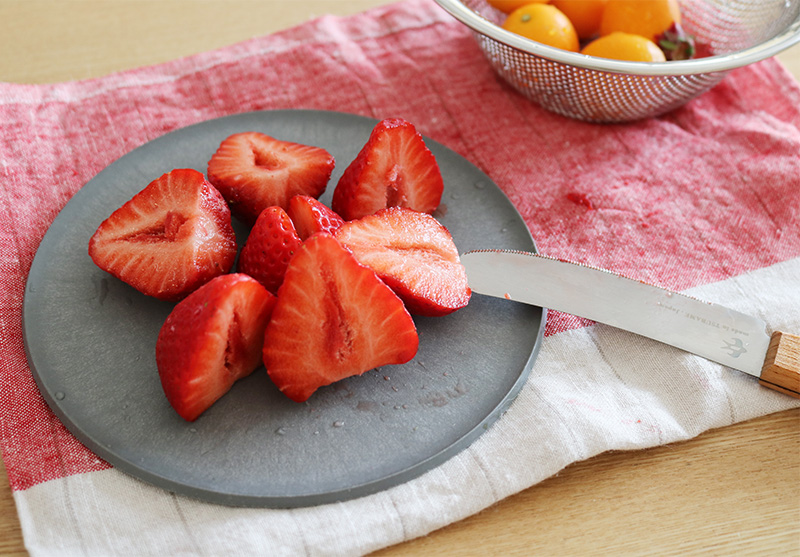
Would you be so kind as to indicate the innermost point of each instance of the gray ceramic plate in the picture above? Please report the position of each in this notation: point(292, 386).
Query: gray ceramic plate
point(91, 339)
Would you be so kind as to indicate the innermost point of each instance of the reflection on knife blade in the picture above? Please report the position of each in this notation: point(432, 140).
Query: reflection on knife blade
point(709, 330)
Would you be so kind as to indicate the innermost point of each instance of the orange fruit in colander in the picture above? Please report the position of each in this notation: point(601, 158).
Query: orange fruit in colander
point(545, 24)
point(648, 18)
point(509, 6)
point(585, 15)
point(625, 46)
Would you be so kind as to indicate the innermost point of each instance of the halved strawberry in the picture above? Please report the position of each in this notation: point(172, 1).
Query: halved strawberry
point(169, 239)
point(211, 339)
point(254, 171)
point(394, 168)
point(269, 248)
point(413, 254)
point(311, 216)
point(334, 319)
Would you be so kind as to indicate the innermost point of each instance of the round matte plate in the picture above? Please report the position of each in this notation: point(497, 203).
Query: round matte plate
point(91, 340)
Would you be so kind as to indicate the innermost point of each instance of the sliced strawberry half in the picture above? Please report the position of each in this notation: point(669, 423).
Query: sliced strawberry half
point(394, 168)
point(270, 246)
point(169, 239)
point(210, 340)
point(334, 319)
point(254, 171)
point(310, 216)
point(412, 253)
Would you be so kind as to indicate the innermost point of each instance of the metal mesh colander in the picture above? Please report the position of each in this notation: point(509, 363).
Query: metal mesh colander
point(738, 32)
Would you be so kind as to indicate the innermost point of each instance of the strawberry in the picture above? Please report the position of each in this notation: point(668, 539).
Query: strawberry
point(334, 319)
point(267, 251)
point(394, 168)
point(254, 171)
point(413, 254)
point(311, 216)
point(210, 340)
point(169, 239)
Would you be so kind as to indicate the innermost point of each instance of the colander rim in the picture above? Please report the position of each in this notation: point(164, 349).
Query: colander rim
point(710, 64)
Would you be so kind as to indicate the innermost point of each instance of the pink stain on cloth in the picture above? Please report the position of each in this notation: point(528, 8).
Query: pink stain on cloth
point(706, 194)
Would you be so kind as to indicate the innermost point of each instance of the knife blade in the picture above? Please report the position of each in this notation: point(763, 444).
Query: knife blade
point(710, 330)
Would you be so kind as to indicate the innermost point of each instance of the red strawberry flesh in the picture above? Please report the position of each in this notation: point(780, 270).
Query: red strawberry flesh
point(334, 319)
point(169, 239)
point(412, 253)
point(211, 339)
point(310, 216)
point(254, 171)
point(269, 248)
point(394, 168)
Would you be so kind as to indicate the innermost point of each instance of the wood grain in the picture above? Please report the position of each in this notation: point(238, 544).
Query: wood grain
point(781, 369)
point(10, 529)
point(53, 40)
point(730, 491)
point(687, 498)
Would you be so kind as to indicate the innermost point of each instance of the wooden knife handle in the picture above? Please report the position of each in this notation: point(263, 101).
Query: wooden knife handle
point(781, 370)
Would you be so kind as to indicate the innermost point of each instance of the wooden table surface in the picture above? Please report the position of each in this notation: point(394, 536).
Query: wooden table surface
point(730, 491)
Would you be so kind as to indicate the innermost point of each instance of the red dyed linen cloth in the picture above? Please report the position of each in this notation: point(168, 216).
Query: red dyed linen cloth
point(704, 199)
